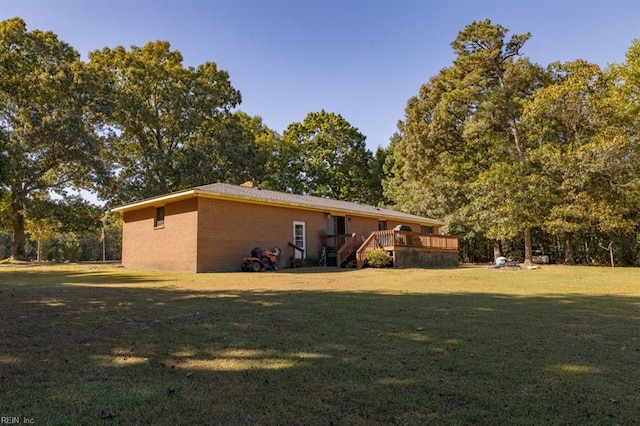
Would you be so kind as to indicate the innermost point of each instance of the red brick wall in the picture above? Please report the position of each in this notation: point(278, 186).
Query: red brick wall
point(171, 248)
point(362, 226)
point(229, 230)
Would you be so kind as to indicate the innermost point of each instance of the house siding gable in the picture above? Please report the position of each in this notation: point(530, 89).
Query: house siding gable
point(172, 247)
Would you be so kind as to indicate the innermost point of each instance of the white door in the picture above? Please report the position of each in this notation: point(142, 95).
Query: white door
point(300, 238)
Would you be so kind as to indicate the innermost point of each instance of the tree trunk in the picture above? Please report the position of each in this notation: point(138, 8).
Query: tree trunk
point(17, 248)
point(528, 247)
point(586, 252)
point(497, 249)
point(568, 249)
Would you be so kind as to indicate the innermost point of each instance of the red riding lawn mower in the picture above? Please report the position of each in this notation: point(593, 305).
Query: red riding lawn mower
point(262, 260)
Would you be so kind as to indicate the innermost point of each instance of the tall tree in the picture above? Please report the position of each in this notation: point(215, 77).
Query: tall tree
point(501, 83)
point(461, 137)
point(376, 193)
point(617, 150)
point(403, 184)
point(48, 141)
point(157, 108)
point(234, 148)
point(326, 156)
point(562, 119)
point(587, 152)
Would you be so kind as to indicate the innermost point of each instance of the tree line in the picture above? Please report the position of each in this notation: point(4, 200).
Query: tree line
point(521, 158)
point(515, 157)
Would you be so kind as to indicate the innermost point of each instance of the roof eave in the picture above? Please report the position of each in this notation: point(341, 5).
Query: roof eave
point(156, 201)
point(195, 192)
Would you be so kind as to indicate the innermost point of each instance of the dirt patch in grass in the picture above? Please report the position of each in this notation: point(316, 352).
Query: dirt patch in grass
point(88, 344)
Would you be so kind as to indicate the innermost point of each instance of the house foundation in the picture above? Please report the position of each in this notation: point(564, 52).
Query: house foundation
point(406, 257)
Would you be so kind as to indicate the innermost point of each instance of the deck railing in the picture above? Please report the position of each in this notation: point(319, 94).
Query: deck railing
point(346, 249)
point(339, 246)
point(335, 241)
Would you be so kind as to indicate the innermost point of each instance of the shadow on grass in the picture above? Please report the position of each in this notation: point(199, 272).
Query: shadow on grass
point(38, 276)
point(81, 355)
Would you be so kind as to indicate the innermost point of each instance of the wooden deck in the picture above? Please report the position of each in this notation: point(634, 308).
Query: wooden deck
point(344, 247)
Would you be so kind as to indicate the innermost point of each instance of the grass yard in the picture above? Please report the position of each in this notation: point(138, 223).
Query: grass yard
point(84, 344)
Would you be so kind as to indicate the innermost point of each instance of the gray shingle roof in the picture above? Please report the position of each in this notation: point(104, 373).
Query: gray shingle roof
point(308, 201)
point(249, 194)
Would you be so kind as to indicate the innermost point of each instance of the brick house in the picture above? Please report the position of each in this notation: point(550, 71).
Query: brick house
point(212, 227)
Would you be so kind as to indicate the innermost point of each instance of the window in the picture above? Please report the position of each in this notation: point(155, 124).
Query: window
point(382, 225)
point(426, 229)
point(159, 220)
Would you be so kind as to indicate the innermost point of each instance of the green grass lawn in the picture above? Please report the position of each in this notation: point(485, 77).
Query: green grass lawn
point(85, 344)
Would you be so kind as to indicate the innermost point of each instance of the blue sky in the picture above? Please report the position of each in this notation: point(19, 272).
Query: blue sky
point(362, 59)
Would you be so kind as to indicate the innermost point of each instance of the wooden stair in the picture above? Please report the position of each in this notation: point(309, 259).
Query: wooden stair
point(350, 261)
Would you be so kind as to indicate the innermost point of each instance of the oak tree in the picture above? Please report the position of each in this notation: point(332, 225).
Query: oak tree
point(157, 109)
point(48, 141)
point(324, 155)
